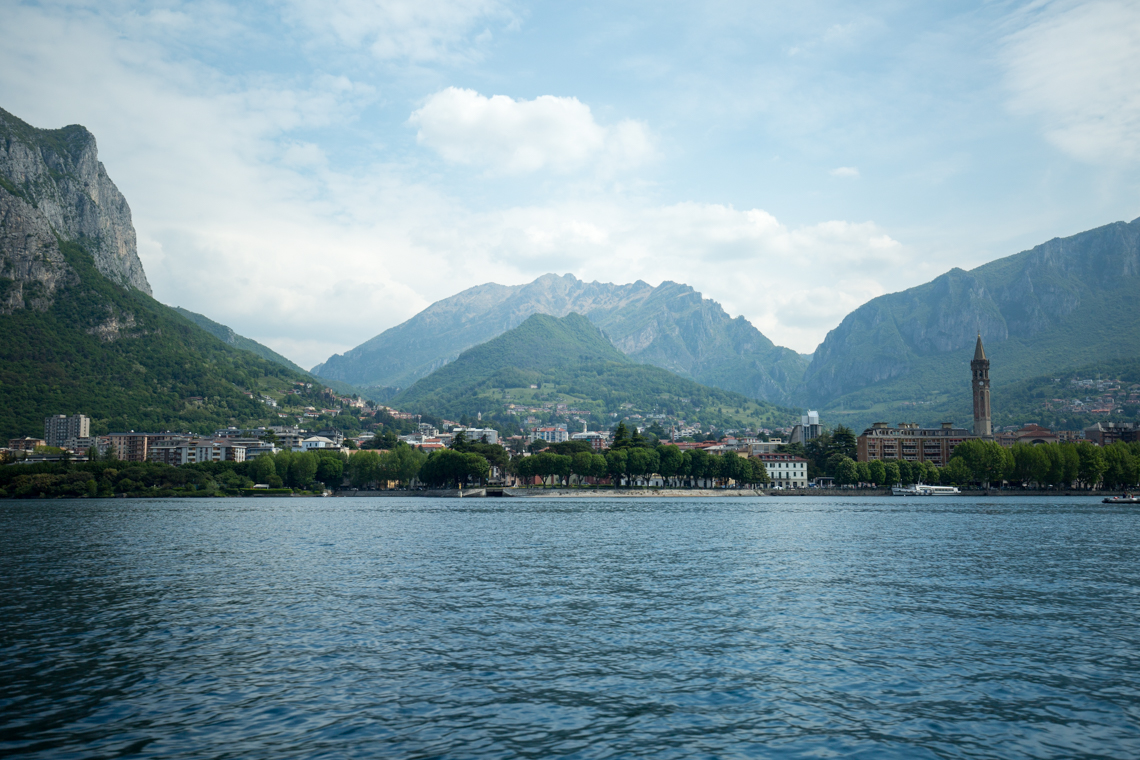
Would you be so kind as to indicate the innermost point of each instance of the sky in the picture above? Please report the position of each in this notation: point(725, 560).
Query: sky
point(312, 172)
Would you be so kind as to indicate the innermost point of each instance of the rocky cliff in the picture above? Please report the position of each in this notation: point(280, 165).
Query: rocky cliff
point(1060, 295)
point(52, 188)
point(671, 326)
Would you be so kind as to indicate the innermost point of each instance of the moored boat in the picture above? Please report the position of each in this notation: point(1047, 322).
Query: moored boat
point(921, 489)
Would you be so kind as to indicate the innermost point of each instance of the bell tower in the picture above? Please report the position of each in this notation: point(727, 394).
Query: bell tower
point(980, 368)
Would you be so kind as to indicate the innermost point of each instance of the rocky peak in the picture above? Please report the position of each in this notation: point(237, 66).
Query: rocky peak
point(52, 184)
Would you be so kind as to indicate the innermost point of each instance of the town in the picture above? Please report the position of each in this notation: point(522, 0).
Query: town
point(386, 449)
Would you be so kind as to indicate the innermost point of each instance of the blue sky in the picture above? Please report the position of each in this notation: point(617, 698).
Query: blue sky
point(313, 172)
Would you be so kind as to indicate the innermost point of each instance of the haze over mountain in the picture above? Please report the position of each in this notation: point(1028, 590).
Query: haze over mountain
point(1064, 304)
point(671, 326)
point(79, 331)
point(569, 360)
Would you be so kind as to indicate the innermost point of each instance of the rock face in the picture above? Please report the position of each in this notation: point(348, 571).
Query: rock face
point(53, 187)
point(671, 326)
point(1033, 297)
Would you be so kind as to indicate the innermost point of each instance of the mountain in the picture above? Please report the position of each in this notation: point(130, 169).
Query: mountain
point(227, 335)
point(54, 186)
point(79, 331)
point(550, 361)
point(671, 326)
point(1064, 304)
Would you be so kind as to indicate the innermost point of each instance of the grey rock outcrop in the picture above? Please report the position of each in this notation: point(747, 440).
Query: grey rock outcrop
point(671, 326)
point(1047, 292)
point(53, 185)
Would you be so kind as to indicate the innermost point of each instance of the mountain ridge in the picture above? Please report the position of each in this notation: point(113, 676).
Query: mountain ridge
point(1066, 303)
point(570, 360)
point(671, 326)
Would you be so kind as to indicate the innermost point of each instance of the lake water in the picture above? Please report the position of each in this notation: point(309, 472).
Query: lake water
point(537, 628)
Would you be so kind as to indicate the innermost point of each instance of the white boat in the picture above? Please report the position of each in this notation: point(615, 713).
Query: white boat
point(1125, 499)
point(921, 489)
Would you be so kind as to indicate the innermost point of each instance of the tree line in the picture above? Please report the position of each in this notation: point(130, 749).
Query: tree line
point(985, 463)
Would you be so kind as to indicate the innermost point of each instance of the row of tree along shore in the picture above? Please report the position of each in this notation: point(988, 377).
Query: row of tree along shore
point(632, 462)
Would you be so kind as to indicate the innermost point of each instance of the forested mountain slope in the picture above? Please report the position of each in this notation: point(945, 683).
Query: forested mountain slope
point(670, 326)
point(1064, 304)
point(79, 331)
point(570, 361)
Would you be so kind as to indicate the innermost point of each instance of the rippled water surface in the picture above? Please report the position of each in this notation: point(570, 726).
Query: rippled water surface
point(772, 627)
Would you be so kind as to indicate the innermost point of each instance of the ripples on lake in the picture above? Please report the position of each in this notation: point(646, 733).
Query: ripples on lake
point(775, 627)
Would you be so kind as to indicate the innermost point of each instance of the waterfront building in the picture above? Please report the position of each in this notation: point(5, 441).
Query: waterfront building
point(177, 453)
point(910, 442)
point(980, 368)
point(58, 428)
point(787, 470)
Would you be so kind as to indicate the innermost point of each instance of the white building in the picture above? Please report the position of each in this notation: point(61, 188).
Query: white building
point(786, 470)
point(550, 435)
point(809, 428)
point(317, 442)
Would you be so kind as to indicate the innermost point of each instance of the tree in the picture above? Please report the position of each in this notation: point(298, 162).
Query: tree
point(616, 463)
point(1091, 465)
point(891, 473)
point(863, 470)
point(846, 472)
point(699, 467)
point(583, 464)
point(878, 472)
point(958, 472)
point(330, 470)
point(844, 442)
point(642, 462)
point(302, 469)
point(1121, 466)
point(621, 437)
point(731, 467)
point(261, 469)
point(759, 473)
point(671, 461)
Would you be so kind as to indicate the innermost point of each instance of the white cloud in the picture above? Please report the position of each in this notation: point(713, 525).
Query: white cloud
point(794, 284)
point(1076, 67)
point(845, 171)
point(509, 136)
point(415, 30)
point(244, 220)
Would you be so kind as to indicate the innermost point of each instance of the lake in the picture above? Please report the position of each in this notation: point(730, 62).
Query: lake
point(774, 627)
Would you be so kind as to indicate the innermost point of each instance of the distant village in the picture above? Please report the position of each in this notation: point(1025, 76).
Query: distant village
point(782, 451)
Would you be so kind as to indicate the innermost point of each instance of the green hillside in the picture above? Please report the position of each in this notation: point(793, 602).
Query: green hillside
point(1104, 331)
point(227, 335)
point(125, 360)
point(573, 363)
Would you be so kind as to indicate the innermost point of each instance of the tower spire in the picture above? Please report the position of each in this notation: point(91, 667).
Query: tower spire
point(980, 369)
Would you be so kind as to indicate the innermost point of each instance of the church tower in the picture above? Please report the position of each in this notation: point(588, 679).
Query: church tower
point(980, 367)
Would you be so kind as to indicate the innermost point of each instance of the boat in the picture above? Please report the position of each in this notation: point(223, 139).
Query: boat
point(1125, 499)
point(921, 489)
